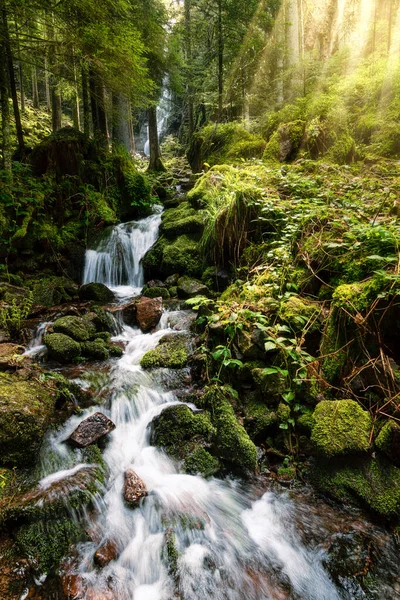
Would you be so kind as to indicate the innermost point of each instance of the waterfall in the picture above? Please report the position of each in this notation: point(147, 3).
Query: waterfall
point(163, 113)
point(116, 261)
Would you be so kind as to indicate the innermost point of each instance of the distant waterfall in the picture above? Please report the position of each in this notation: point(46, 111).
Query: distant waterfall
point(117, 259)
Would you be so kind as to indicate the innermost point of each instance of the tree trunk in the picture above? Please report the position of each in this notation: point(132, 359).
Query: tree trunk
point(97, 101)
point(120, 129)
point(76, 117)
point(220, 61)
point(155, 163)
point(11, 75)
point(85, 100)
point(47, 83)
point(56, 119)
point(35, 89)
point(132, 146)
point(189, 89)
point(5, 106)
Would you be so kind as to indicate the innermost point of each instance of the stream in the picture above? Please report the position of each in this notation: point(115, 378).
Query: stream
point(234, 540)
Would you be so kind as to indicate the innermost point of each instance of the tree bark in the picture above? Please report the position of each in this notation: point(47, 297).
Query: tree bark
point(11, 75)
point(5, 106)
point(189, 89)
point(120, 129)
point(220, 62)
point(47, 83)
point(155, 163)
point(85, 100)
point(97, 102)
point(76, 117)
point(35, 89)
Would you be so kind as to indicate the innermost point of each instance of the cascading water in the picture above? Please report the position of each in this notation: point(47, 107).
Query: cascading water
point(116, 261)
point(163, 114)
point(230, 543)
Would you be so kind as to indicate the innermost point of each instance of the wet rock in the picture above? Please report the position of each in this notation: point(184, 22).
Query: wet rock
point(250, 345)
point(61, 347)
point(172, 352)
point(388, 441)
point(155, 283)
point(156, 292)
point(148, 312)
point(129, 313)
point(10, 355)
point(106, 553)
point(172, 280)
point(341, 426)
point(188, 288)
point(134, 488)
point(96, 350)
point(91, 430)
point(25, 411)
point(76, 328)
point(98, 292)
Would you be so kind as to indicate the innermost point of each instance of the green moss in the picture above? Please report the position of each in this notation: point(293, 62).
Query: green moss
point(50, 291)
point(270, 386)
point(251, 148)
point(180, 255)
point(299, 313)
point(74, 327)
point(283, 412)
point(305, 422)
point(201, 461)
point(341, 427)
point(181, 220)
point(388, 440)
point(105, 336)
point(258, 420)
point(46, 543)
point(25, 411)
point(177, 425)
point(272, 150)
point(156, 292)
point(115, 351)
point(61, 347)
point(95, 349)
point(101, 319)
point(170, 353)
point(374, 482)
point(97, 292)
point(232, 440)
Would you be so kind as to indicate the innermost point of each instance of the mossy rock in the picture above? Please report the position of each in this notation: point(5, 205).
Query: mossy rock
point(61, 347)
point(232, 441)
point(156, 292)
point(172, 353)
point(51, 291)
point(189, 287)
point(176, 426)
point(96, 292)
point(343, 150)
point(181, 220)
point(200, 461)
point(299, 313)
point(372, 482)
point(96, 350)
point(101, 319)
point(75, 327)
point(258, 421)
point(341, 427)
point(270, 386)
point(388, 440)
point(105, 336)
point(26, 408)
point(169, 257)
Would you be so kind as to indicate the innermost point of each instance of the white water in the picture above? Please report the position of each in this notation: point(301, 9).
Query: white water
point(116, 261)
point(230, 546)
point(36, 348)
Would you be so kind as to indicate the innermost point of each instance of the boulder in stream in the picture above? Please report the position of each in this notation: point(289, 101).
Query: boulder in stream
point(134, 488)
point(148, 312)
point(91, 430)
point(98, 292)
point(188, 288)
point(106, 553)
point(61, 347)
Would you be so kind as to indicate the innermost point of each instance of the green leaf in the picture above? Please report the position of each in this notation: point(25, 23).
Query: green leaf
point(268, 346)
point(283, 426)
point(269, 371)
point(288, 396)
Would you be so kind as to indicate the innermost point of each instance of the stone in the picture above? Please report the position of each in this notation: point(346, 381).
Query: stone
point(134, 488)
point(341, 427)
point(129, 313)
point(75, 327)
point(148, 312)
point(10, 355)
point(61, 347)
point(188, 288)
point(98, 292)
point(172, 280)
point(25, 411)
point(388, 441)
point(91, 430)
point(106, 553)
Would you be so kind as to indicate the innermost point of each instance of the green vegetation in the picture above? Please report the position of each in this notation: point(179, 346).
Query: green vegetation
point(171, 353)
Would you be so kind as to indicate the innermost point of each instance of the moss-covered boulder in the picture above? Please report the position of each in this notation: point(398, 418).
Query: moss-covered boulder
point(156, 292)
point(232, 441)
point(258, 421)
point(372, 482)
point(25, 411)
point(167, 257)
point(61, 347)
point(300, 313)
point(269, 385)
point(188, 287)
point(172, 352)
point(96, 292)
point(186, 436)
point(388, 441)
point(75, 327)
point(341, 427)
point(96, 349)
point(182, 220)
point(50, 291)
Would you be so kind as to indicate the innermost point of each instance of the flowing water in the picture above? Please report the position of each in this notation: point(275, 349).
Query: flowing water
point(232, 542)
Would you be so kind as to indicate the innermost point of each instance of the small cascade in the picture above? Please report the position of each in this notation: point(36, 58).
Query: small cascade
point(163, 114)
point(36, 349)
point(116, 261)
